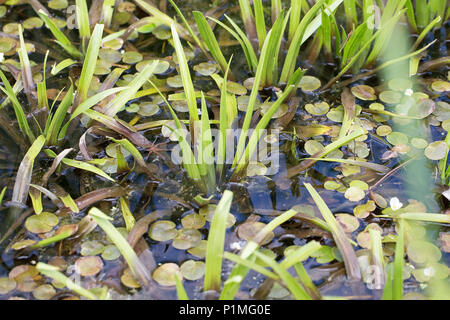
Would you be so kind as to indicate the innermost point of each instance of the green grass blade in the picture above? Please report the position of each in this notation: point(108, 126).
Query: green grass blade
point(342, 242)
point(83, 20)
point(54, 273)
point(137, 267)
point(259, 22)
point(57, 119)
point(126, 214)
point(2, 195)
point(300, 254)
point(115, 105)
point(249, 263)
point(293, 286)
point(181, 292)
point(87, 167)
point(186, 79)
point(205, 157)
point(90, 61)
point(240, 36)
point(216, 242)
point(57, 68)
point(23, 177)
point(210, 39)
point(61, 38)
point(18, 110)
point(187, 154)
point(397, 281)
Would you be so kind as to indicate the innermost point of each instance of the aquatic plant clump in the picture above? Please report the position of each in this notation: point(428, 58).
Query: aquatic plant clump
point(228, 150)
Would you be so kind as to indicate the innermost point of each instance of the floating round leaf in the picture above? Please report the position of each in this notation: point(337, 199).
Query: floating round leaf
point(363, 239)
point(111, 252)
point(313, 146)
point(419, 143)
point(336, 114)
point(422, 109)
point(440, 86)
point(110, 55)
point(436, 150)
point(376, 106)
point(162, 230)
point(3, 10)
point(420, 251)
point(115, 44)
point(236, 88)
point(148, 109)
point(242, 103)
point(6, 44)
point(161, 67)
point(175, 81)
point(446, 125)
point(384, 130)
point(206, 68)
point(58, 262)
point(11, 28)
point(444, 239)
point(41, 223)
point(131, 57)
point(162, 32)
point(193, 221)
point(390, 97)
point(91, 248)
point(186, 238)
point(400, 84)
point(58, 4)
point(396, 137)
point(165, 274)
point(324, 254)
point(248, 230)
point(192, 270)
point(359, 184)
point(7, 285)
point(180, 106)
point(364, 92)
point(309, 83)
point(25, 276)
point(317, 109)
point(44, 292)
point(256, 169)
point(33, 22)
point(199, 250)
point(129, 280)
point(134, 107)
point(348, 222)
point(363, 210)
point(88, 266)
point(331, 185)
point(354, 194)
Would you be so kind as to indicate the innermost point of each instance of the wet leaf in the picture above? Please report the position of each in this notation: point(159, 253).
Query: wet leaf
point(317, 109)
point(364, 92)
point(91, 248)
point(193, 221)
point(400, 84)
point(162, 230)
point(256, 169)
point(7, 285)
point(354, 194)
point(332, 185)
point(111, 252)
point(58, 4)
point(109, 55)
point(420, 251)
point(248, 230)
point(313, 147)
point(363, 210)
point(199, 250)
point(148, 109)
point(444, 239)
point(348, 222)
point(323, 255)
point(175, 81)
point(419, 143)
point(282, 109)
point(396, 137)
point(165, 274)
point(192, 270)
point(186, 239)
point(206, 68)
point(384, 130)
point(89, 266)
point(129, 280)
point(33, 22)
point(44, 292)
point(23, 244)
point(309, 83)
point(41, 223)
point(390, 97)
point(131, 57)
point(440, 86)
point(436, 150)
point(336, 114)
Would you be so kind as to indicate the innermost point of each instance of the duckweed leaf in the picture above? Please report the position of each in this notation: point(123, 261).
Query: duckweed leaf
point(162, 230)
point(41, 223)
point(364, 92)
point(309, 83)
point(186, 239)
point(436, 150)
